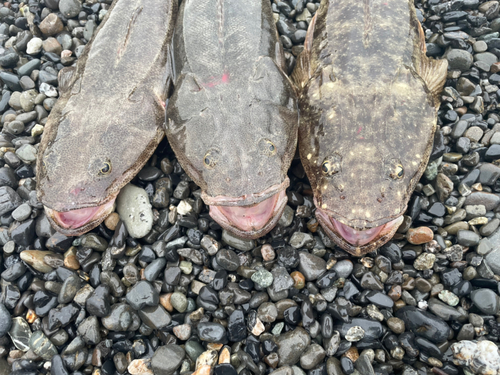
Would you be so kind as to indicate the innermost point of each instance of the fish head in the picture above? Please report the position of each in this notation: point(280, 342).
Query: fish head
point(82, 168)
point(365, 158)
point(237, 146)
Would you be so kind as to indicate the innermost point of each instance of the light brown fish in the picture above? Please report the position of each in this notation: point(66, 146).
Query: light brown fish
point(368, 98)
point(232, 119)
point(109, 117)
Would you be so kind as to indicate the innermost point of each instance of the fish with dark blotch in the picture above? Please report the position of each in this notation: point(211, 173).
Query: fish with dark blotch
point(232, 117)
point(109, 117)
point(368, 98)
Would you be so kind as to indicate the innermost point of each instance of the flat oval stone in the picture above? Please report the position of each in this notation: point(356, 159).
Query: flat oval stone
point(212, 332)
point(486, 300)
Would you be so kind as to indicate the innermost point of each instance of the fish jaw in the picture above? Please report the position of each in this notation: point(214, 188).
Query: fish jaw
point(251, 221)
point(252, 216)
point(79, 221)
point(357, 242)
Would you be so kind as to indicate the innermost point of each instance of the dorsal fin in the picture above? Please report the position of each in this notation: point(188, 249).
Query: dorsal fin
point(302, 72)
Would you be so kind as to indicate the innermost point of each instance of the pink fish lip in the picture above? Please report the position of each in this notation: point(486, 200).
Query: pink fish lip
point(250, 216)
point(79, 221)
point(245, 200)
point(357, 241)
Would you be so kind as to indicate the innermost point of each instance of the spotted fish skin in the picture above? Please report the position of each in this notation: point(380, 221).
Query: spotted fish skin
point(109, 117)
point(232, 118)
point(368, 99)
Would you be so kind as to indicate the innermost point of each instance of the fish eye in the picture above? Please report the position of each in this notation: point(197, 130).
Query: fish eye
point(105, 168)
point(332, 165)
point(211, 159)
point(396, 170)
point(267, 147)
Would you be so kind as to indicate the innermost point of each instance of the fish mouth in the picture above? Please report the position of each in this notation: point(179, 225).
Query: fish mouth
point(250, 216)
point(354, 241)
point(79, 221)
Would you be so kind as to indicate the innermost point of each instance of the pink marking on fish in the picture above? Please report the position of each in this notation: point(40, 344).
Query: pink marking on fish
point(76, 191)
point(217, 81)
point(359, 132)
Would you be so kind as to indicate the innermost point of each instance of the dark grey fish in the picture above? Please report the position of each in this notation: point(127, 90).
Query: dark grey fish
point(232, 118)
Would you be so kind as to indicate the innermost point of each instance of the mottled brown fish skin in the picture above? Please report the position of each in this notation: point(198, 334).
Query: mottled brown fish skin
point(232, 105)
point(368, 98)
point(110, 111)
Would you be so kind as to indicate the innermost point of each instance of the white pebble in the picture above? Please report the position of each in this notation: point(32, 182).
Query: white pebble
point(132, 204)
point(49, 90)
point(37, 130)
point(184, 207)
point(34, 46)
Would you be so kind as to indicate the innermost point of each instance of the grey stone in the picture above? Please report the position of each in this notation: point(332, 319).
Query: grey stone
point(167, 359)
point(291, 345)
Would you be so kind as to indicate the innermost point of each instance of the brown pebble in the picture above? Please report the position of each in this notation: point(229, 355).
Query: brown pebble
point(51, 25)
point(70, 260)
point(409, 284)
point(461, 110)
point(272, 360)
point(16, 354)
point(225, 356)
point(52, 45)
point(112, 221)
point(352, 353)
point(398, 304)
point(396, 325)
point(165, 302)
point(312, 225)
point(495, 68)
point(395, 292)
point(420, 235)
point(267, 252)
point(298, 279)
point(31, 316)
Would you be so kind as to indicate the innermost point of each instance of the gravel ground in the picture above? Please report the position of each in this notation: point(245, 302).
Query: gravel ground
point(175, 294)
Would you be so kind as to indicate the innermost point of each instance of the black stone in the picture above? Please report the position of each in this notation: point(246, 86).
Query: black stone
point(98, 303)
point(236, 326)
point(424, 324)
point(293, 315)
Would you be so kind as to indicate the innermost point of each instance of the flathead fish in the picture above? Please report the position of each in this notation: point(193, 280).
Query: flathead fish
point(232, 116)
point(368, 98)
point(109, 117)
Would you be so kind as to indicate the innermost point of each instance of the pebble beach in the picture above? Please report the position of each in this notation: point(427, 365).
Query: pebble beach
point(159, 288)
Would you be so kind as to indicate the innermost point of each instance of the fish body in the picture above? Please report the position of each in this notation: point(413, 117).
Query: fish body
point(109, 117)
point(232, 117)
point(368, 99)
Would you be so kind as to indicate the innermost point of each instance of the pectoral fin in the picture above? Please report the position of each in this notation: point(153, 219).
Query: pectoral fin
point(433, 72)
